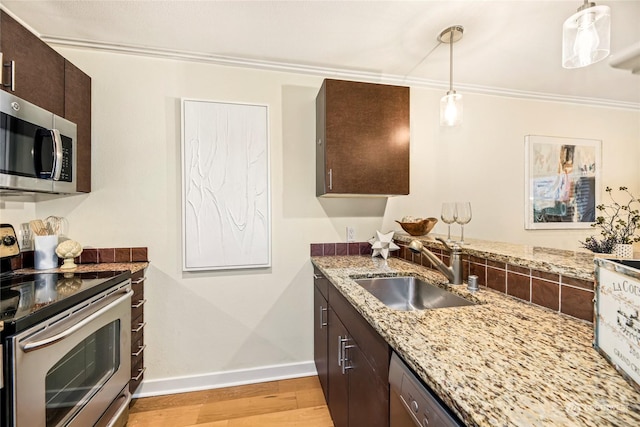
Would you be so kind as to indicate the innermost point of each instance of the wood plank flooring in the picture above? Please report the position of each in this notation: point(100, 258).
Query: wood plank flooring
point(297, 402)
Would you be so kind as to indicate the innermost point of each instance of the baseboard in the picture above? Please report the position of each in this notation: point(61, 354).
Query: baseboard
point(224, 379)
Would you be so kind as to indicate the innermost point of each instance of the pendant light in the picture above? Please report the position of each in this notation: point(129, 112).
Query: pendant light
point(451, 103)
point(586, 36)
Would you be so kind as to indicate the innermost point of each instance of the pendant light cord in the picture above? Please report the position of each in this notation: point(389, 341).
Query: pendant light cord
point(451, 61)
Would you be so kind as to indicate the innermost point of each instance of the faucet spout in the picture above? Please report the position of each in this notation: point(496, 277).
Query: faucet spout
point(452, 272)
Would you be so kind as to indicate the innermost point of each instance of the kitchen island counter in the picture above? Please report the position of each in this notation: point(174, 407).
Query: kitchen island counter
point(499, 362)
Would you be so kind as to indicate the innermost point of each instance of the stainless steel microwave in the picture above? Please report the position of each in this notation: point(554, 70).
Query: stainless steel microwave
point(38, 150)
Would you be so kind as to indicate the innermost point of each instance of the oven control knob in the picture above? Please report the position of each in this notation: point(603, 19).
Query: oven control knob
point(414, 406)
point(8, 240)
point(425, 422)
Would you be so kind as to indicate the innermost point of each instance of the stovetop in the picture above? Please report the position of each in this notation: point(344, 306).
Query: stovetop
point(26, 299)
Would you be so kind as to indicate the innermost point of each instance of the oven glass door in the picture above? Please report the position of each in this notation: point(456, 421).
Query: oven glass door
point(82, 372)
point(68, 372)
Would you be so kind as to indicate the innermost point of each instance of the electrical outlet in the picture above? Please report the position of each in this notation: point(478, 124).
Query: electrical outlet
point(351, 234)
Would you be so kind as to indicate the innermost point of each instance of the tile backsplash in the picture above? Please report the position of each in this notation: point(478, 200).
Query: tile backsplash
point(89, 256)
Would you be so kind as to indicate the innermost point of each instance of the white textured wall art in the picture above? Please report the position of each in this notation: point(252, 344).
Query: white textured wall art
point(225, 186)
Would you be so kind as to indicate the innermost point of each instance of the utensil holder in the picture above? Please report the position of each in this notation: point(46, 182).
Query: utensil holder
point(45, 252)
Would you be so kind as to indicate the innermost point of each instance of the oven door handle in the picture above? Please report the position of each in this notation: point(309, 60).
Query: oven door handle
point(27, 347)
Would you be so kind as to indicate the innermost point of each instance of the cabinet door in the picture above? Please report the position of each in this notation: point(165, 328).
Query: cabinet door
point(368, 394)
point(320, 334)
point(39, 70)
point(338, 381)
point(362, 138)
point(77, 108)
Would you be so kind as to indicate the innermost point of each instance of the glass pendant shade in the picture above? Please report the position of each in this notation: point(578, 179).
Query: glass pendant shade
point(451, 109)
point(451, 103)
point(586, 36)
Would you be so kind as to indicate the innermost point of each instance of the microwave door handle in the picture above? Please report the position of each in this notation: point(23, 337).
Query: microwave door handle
point(57, 159)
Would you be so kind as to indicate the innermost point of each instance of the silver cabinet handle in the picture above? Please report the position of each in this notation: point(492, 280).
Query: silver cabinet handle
point(27, 347)
point(139, 352)
point(139, 304)
point(345, 359)
point(341, 346)
point(318, 276)
point(137, 377)
point(322, 322)
point(140, 280)
point(11, 65)
point(330, 179)
point(139, 328)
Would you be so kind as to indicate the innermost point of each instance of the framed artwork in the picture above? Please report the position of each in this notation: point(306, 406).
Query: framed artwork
point(562, 182)
point(226, 201)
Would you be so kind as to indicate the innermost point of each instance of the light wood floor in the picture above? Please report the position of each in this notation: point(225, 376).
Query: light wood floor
point(286, 403)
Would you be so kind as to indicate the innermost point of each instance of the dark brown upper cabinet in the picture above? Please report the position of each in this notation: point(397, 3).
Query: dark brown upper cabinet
point(35, 72)
point(362, 139)
point(77, 108)
point(31, 69)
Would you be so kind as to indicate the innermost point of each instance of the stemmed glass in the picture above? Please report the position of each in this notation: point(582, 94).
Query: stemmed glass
point(463, 210)
point(448, 216)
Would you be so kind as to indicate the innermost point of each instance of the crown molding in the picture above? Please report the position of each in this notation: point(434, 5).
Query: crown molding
point(346, 74)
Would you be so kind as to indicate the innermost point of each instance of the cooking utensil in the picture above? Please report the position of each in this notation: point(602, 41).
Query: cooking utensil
point(38, 227)
point(55, 224)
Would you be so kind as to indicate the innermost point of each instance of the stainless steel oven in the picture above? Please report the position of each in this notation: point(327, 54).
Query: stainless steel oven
point(69, 369)
point(65, 341)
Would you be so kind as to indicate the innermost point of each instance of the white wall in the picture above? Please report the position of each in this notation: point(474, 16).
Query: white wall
point(213, 322)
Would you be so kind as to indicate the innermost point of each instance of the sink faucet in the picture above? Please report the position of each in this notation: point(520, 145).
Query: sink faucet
point(452, 272)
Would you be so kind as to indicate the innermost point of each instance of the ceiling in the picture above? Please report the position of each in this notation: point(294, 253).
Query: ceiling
point(509, 47)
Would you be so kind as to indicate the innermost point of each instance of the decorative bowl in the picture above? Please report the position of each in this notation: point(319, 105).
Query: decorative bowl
point(418, 228)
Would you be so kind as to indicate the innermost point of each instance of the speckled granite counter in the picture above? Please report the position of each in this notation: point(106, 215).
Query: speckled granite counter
point(499, 363)
point(90, 268)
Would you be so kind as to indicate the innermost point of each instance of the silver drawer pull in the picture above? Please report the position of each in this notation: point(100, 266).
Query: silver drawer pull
point(139, 352)
point(318, 276)
point(137, 377)
point(140, 280)
point(322, 322)
point(139, 304)
point(139, 328)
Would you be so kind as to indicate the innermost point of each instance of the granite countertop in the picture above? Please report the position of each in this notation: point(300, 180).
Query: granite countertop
point(578, 264)
point(500, 362)
point(91, 268)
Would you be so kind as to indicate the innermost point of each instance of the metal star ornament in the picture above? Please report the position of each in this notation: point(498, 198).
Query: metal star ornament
point(382, 244)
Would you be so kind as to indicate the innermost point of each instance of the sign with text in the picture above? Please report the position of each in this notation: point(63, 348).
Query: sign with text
point(617, 326)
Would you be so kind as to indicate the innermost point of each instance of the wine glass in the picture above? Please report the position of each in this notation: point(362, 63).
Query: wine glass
point(448, 216)
point(463, 210)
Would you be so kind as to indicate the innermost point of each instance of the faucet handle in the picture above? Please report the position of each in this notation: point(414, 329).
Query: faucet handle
point(441, 240)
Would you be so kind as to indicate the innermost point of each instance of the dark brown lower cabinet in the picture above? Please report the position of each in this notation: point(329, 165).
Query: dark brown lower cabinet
point(137, 330)
point(320, 337)
point(354, 359)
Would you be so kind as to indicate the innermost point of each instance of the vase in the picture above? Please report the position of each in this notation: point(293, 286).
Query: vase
point(623, 250)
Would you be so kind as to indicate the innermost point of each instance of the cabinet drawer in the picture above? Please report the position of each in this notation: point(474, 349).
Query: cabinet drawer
point(137, 354)
point(137, 309)
point(137, 286)
point(137, 340)
point(321, 282)
point(137, 375)
point(373, 346)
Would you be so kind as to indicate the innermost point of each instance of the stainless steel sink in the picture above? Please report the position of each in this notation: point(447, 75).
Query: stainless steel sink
point(409, 293)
